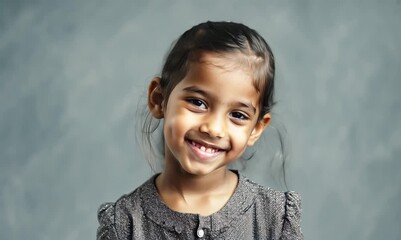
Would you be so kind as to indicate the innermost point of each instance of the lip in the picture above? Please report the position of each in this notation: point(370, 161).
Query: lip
point(204, 151)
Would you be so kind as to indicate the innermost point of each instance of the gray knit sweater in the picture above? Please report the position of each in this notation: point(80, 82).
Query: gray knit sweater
point(253, 212)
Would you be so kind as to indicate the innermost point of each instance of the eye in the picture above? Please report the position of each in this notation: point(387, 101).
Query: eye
point(239, 116)
point(197, 103)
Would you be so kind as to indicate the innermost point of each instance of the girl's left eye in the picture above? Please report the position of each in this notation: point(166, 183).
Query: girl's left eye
point(239, 116)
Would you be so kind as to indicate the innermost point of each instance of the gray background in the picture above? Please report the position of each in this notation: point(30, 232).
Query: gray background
point(73, 73)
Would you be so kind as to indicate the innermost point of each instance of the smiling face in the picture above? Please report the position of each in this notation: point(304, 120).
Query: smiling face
point(211, 116)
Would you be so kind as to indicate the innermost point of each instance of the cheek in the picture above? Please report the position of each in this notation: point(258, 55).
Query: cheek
point(176, 123)
point(240, 136)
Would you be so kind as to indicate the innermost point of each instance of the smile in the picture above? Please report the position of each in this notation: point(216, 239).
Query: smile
point(203, 148)
point(203, 151)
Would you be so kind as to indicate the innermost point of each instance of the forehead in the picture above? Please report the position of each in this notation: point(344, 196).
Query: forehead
point(255, 66)
point(228, 61)
point(222, 77)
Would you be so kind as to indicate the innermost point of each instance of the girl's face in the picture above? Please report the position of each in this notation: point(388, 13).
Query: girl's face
point(211, 116)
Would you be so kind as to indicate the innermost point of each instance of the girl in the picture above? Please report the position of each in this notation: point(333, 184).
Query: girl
point(214, 95)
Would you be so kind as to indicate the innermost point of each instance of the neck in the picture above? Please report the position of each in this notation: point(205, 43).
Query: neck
point(202, 195)
point(184, 183)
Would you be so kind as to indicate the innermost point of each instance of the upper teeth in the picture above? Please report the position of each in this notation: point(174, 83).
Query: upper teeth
point(203, 148)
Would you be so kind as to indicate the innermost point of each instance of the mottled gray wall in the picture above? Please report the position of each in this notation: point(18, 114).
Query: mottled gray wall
point(72, 74)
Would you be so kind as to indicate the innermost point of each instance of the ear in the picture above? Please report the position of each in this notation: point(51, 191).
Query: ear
point(155, 98)
point(257, 131)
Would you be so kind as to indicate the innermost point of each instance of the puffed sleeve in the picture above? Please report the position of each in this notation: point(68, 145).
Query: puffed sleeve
point(107, 229)
point(292, 218)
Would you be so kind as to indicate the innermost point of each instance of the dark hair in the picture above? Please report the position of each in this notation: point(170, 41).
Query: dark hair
point(221, 38)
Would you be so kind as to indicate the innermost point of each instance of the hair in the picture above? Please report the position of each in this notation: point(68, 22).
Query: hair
point(226, 39)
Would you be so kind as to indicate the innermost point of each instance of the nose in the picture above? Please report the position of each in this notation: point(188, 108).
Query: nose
point(214, 125)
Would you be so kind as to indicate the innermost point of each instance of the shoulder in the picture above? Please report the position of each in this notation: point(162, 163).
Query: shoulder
point(280, 208)
point(271, 196)
point(108, 211)
point(115, 217)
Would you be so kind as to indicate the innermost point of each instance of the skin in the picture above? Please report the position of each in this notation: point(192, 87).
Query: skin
point(210, 118)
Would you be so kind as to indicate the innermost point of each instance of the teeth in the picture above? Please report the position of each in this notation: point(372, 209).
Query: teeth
point(203, 148)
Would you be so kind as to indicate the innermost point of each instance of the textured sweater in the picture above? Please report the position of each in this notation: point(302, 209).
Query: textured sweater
point(252, 212)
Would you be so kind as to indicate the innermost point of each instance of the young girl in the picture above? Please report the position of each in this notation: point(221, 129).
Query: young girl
point(214, 95)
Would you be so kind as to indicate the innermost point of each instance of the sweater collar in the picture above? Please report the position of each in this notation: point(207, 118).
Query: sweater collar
point(156, 210)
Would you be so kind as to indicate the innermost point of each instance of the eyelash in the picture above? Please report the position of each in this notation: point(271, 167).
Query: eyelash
point(197, 103)
point(242, 116)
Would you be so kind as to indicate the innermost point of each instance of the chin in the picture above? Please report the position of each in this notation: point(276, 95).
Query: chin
point(201, 171)
point(197, 172)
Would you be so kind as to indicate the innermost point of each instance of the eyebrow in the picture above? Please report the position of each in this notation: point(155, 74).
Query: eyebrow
point(195, 89)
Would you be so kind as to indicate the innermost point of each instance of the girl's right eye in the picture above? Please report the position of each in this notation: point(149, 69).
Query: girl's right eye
point(197, 103)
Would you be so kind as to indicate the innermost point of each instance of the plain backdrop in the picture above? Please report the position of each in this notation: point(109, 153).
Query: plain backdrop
point(73, 77)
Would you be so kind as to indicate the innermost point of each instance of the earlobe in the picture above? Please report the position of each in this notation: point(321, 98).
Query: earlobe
point(257, 131)
point(155, 98)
